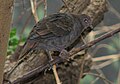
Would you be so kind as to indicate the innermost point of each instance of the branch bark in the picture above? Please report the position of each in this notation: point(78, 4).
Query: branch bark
point(5, 21)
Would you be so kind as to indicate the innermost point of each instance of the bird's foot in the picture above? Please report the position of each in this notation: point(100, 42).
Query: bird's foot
point(51, 66)
point(64, 54)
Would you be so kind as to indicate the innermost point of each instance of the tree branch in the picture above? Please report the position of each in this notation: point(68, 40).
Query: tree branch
point(36, 71)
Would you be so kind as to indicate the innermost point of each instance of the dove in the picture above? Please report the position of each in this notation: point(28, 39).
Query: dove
point(57, 32)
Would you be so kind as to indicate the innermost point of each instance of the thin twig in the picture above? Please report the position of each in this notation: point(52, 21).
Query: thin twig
point(113, 10)
point(104, 29)
point(102, 58)
point(81, 70)
point(96, 79)
point(56, 75)
point(45, 8)
point(99, 47)
point(99, 77)
point(33, 7)
point(102, 74)
point(83, 61)
point(104, 64)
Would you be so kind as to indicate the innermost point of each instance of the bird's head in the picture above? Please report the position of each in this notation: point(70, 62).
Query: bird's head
point(86, 23)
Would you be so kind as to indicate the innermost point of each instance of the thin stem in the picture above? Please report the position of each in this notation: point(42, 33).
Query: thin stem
point(97, 75)
point(45, 8)
point(56, 75)
point(33, 7)
point(102, 58)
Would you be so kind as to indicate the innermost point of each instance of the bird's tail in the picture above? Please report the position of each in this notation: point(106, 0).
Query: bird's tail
point(27, 48)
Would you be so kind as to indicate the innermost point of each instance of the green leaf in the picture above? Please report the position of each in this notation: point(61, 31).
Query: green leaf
point(12, 33)
point(13, 42)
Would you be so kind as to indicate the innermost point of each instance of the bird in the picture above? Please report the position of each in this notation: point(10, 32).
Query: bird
point(57, 32)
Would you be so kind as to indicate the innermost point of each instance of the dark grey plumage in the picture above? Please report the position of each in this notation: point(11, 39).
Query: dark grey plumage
point(56, 32)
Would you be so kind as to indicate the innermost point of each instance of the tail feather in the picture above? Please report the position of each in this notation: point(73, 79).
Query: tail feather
point(27, 47)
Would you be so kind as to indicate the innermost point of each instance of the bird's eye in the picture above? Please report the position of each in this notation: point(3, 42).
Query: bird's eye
point(86, 20)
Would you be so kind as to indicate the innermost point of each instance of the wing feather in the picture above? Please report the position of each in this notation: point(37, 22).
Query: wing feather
point(54, 25)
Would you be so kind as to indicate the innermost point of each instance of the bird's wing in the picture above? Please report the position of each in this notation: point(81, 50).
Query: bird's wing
point(60, 24)
point(27, 48)
point(53, 25)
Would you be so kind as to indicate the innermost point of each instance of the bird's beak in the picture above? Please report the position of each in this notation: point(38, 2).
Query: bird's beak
point(91, 27)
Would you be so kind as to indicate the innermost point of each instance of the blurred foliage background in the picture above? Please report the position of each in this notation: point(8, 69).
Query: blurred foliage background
point(23, 22)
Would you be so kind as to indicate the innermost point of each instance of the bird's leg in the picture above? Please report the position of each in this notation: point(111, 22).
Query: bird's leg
point(54, 68)
point(64, 54)
point(49, 57)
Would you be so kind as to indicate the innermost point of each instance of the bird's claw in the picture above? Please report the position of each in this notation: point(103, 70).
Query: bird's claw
point(64, 54)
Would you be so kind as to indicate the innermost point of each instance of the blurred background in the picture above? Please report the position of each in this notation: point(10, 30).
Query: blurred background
point(23, 21)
